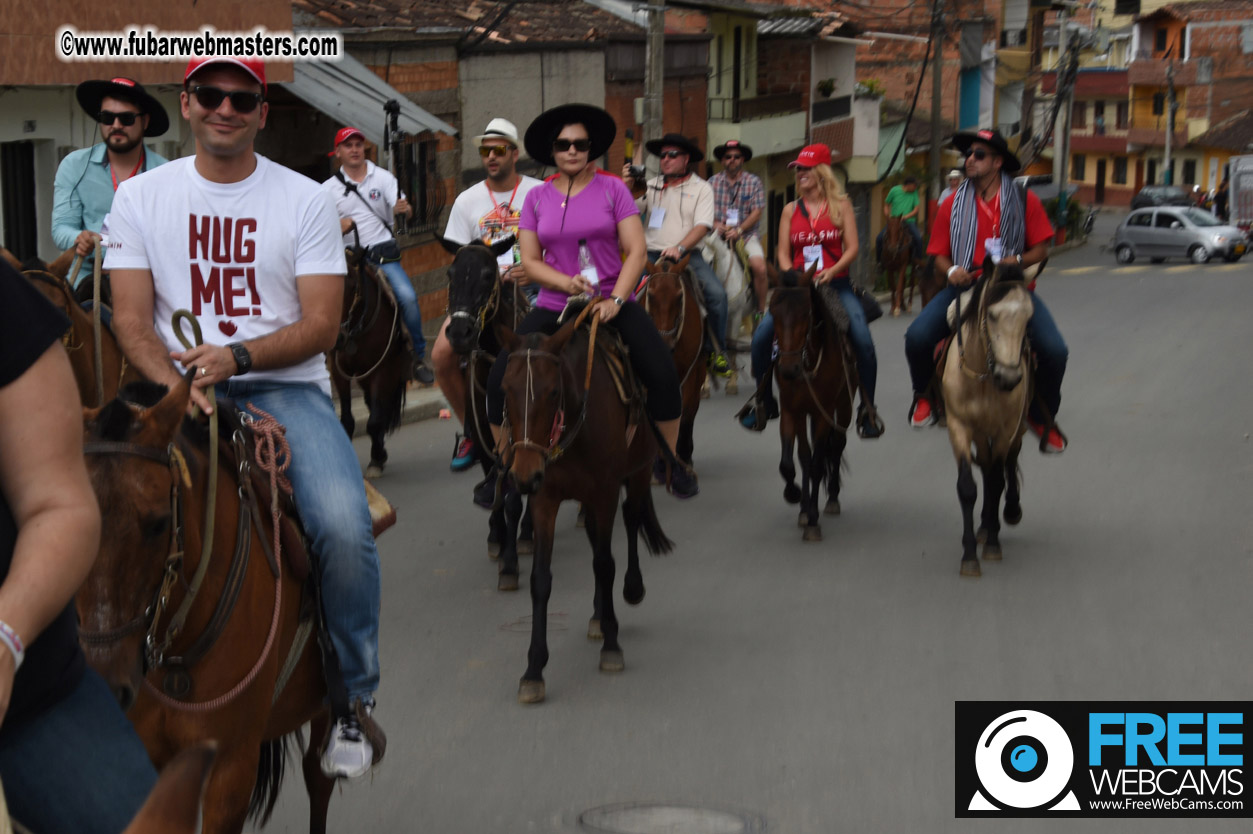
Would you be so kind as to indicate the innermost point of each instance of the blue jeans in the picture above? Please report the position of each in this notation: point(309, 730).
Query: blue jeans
point(931, 326)
point(76, 767)
point(858, 334)
point(715, 296)
point(914, 233)
point(409, 310)
point(326, 484)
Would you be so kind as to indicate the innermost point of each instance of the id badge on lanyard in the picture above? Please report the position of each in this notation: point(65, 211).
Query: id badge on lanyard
point(812, 255)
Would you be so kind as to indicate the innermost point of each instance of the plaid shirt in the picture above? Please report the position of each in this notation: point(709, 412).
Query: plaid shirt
point(747, 194)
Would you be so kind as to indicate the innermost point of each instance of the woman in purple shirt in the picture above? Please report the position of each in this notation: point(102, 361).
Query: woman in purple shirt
point(583, 209)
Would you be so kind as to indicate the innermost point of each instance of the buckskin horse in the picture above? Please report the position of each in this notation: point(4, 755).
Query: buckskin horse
point(571, 437)
point(670, 300)
point(202, 628)
point(897, 259)
point(372, 351)
point(817, 382)
point(987, 387)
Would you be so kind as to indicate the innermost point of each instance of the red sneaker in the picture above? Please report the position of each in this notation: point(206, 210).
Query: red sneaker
point(1056, 442)
point(920, 415)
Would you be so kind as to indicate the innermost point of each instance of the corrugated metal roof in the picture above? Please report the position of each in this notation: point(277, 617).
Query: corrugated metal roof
point(789, 26)
point(350, 93)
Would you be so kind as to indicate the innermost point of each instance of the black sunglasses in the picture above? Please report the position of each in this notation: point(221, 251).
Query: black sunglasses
point(732, 156)
point(580, 145)
point(977, 153)
point(107, 117)
point(672, 154)
point(242, 101)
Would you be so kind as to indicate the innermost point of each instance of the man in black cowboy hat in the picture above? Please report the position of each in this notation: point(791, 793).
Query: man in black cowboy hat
point(739, 200)
point(87, 178)
point(988, 215)
point(678, 211)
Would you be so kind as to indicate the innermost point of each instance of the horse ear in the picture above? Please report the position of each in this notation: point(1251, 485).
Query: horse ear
point(503, 245)
point(506, 337)
point(449, 247)
point(165, 416)
point(681, 266)
point(989, 266)
point(807, 277)
point(557, 342)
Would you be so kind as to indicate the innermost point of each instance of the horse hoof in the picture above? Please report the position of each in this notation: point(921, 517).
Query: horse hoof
point(530, 692)
point(493, 550)
point(832, 507)
point(374, 470)
point(896, 311)
point(732, 387)
point(704, 391)
point(991, 553)
point(526, 547)
point(802, 519)
point(593, 630)
point(970, 567)
point(792, 494)
point(981, 535)
point(813, 533)
point(507, 582)
point(633, 596)
point(1013, 515)
point(611, 661)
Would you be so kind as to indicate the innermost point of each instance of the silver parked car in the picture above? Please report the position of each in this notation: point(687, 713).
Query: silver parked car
point(1162, 232)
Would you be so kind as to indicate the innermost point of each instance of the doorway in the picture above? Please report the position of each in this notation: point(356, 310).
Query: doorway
point(1099, 199)
point(17, 175)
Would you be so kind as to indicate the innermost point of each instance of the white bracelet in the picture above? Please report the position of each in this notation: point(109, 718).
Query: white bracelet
point(10, 639)
point(951, 270)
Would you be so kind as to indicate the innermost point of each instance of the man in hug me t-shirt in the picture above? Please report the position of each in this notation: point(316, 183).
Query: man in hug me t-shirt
point(225, 251)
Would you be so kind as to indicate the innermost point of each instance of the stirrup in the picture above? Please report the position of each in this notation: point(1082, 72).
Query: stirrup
point(869, 411)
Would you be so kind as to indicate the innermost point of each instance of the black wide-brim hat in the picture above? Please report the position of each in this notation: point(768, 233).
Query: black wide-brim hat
point(963, 140)
point(733, 145)
point(694, 153)
point(91, 93)
point(600, 126)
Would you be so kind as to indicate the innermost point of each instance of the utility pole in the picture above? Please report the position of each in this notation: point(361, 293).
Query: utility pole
point(654, 70)
point(937, 94)
point(1171, 106)
point(1061, 122)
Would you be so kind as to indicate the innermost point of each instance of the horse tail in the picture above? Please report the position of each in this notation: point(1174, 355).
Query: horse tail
point(396, 408)
point(270, 769)
point(654, 537)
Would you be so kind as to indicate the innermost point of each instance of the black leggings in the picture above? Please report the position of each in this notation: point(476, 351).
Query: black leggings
point(650, 359)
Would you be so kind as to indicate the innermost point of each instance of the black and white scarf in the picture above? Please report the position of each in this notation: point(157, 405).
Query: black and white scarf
point(964, 222)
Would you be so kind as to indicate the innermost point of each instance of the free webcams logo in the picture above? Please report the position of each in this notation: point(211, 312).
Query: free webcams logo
point(1100, 759)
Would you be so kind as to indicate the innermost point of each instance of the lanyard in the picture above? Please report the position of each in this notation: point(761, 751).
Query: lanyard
point(508, 206)
point(138, 165)
point(991, 210)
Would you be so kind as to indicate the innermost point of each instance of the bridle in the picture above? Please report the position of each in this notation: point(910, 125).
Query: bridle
point(557, 433)
point(485, 311)
point(675, 334)
point(984, 332)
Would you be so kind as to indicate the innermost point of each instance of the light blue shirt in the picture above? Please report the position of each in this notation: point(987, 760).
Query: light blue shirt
point(83, 195)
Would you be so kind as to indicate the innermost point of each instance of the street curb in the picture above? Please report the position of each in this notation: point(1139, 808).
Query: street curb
point(421, 403)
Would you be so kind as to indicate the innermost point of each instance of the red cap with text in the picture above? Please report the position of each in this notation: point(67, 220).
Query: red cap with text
point(252, 66)
point(812, 155)
point(344, 134)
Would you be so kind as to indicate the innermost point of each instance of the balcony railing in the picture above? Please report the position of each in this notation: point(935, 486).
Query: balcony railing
point(743, 109)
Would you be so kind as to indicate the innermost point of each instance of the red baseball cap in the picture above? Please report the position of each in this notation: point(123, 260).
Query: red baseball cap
point(252, 66)
point(812, 155)
point(344, 134)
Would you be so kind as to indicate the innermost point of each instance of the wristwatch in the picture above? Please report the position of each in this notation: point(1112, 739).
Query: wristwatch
point(619, 300)
point(243, 359)
point(682, 250)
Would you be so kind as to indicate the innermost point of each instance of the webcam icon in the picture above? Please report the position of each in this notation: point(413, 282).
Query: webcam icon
point(1024, 761)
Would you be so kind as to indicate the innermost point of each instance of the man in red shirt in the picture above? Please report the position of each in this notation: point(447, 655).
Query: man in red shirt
point(988, 215)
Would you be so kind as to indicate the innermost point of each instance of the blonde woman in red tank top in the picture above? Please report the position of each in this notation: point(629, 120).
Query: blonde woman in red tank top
point(819, 228)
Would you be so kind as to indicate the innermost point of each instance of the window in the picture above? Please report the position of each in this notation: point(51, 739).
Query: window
point(1079, 114)
point(1140, 219)
point(1120, 170)
point(1121, 115)
point(1159, 40)
point(420, 180)
point(1159, 104)
point(1165, 220)
point(1098, 118)
point(1079, 167)
point(1189, 171)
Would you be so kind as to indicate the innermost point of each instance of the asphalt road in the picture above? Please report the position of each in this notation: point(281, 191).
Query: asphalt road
point(811, 687)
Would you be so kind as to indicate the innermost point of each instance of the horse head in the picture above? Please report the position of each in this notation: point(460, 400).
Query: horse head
point(538, 388)
point(474, 288)
point(791, 307)
point(129, 446)
point(1005, 309)
point(665, 297)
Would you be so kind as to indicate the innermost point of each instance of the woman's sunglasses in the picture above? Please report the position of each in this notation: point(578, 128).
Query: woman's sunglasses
point(493, 150)
point(107, 117)
point(977, 153)
point(242, 101)
point(580, 145)
point(801, 169)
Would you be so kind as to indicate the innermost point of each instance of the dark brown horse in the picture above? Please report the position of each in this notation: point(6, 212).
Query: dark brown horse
point(817, 382)
point(80, 343)
point(898, 262)
point(373, 351)
point(236, 660)
point(571, 438)
point(930, 281)
point(479, 302)
point(670, 300)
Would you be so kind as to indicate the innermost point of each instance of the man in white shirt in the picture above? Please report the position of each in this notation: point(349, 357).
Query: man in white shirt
point(367, 196)
point(678, 211)
point(253, 250)
point(954, 180)
point(489, 209)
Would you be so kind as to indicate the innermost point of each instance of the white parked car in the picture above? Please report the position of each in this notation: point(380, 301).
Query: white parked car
point(1162, 232)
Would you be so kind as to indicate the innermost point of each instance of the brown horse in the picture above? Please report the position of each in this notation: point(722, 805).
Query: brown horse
point(670, 300)
point(987, 388)
point(373, 351)
point(80, 343)
point(194, 650)
point(930, 281)
point(897, 261)
point(571, 437)
point(817, 382)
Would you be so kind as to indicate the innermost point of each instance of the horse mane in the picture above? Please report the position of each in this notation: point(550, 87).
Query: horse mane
point(790, 278)
point(996, 286)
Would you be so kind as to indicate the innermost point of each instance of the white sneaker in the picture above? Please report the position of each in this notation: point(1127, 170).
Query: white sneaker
point(349, 753)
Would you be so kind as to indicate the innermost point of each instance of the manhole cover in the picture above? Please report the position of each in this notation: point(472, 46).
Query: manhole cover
point(649, 818)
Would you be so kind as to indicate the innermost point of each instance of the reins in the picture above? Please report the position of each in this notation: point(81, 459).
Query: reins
point(677, 330)
point(350, 332)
